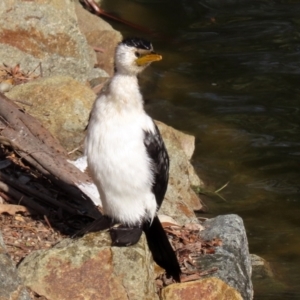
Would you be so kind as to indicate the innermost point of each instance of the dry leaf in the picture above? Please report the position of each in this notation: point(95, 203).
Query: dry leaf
point(12, 209)
point(19, 218)
point(14, 75)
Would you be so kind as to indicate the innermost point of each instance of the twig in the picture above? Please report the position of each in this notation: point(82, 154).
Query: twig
point(18, 246)
point(210, 193)
point(191, 277)
point(98, 49)
point(221, 188)
point(5, 197)
point(40, 66)
point(48, 223)
point(22, 227)
point(41, 70)
point(74, 150)
point(209, 271)
point(20, 198)
point(24, 102)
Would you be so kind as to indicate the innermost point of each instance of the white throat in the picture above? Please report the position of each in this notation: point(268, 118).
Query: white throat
point(124, 90)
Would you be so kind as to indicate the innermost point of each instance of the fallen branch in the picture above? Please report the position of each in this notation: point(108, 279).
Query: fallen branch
point(22, 199)
point(32, 192)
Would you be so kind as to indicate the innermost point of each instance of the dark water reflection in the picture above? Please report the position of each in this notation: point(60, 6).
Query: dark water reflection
point(231, 76)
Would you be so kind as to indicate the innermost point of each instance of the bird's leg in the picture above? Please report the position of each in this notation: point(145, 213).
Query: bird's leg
point(123, 235)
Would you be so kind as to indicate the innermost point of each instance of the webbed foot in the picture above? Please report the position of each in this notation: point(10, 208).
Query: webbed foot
point(123, 236)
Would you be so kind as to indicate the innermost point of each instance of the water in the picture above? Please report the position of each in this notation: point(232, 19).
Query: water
point(230, 75)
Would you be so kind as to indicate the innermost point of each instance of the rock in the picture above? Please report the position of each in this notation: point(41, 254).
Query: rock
point(11, 286)
point(265, 280)
point(45, 32)
point(101, 35)
point(205, 289)
point(260, 267)
point(180, 200)
point(61, 103)
point(97, 270)
point(187, 143)
point(232, 259)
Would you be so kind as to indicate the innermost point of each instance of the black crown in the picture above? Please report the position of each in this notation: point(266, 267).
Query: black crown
point(137, 43)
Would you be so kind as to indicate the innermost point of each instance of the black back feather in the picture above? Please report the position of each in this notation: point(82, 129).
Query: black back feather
point(159, 245)
point(160, 163)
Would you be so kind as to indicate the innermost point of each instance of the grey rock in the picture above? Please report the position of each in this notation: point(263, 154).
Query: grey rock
point(10, 284)
point(232, 258)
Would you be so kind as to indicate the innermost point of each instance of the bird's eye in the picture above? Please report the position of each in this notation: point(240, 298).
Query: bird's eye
point(137, 54)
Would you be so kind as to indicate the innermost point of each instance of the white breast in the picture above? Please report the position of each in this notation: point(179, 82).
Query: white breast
point(118, 161)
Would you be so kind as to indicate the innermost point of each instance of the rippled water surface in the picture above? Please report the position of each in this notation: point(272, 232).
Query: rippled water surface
point(230, 75)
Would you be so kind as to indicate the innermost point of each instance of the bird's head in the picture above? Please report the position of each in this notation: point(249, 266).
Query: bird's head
point(133, 55)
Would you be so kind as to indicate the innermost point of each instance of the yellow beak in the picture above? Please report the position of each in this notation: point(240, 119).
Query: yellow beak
point(148, 58)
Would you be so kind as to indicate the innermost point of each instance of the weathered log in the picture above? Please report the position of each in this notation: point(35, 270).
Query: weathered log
point(34, 143)
point(34, 193)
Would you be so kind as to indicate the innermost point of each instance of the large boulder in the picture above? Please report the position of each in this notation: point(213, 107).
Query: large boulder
point(11, 286)
point(88, 268)
point(60, 103)
point(46, 33)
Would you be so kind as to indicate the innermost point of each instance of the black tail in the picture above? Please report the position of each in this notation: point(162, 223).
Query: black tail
point(162, 252)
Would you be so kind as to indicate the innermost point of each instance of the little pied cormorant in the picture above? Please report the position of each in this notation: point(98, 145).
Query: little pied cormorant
point(127, 158)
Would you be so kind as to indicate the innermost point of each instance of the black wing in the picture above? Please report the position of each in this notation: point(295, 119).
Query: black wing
point(160, 163)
